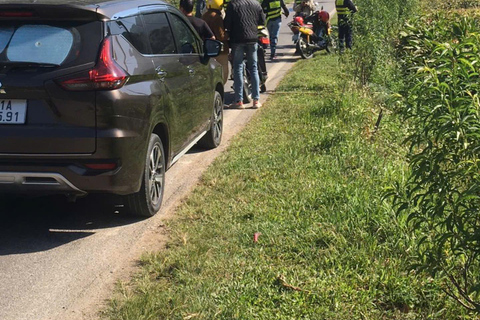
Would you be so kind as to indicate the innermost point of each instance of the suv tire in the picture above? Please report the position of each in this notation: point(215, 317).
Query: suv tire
point(147, 201)
point(213, 137)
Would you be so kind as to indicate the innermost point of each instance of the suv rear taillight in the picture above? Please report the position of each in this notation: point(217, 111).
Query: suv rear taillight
point(106, 75)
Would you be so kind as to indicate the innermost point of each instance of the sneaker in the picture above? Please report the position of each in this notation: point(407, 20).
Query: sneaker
point(273, 57)
point(237, 105)
point(256, 104)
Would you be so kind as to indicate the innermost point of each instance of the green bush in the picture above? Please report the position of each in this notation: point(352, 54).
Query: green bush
point(376, 26)
point(451, 4)
point(442, 195)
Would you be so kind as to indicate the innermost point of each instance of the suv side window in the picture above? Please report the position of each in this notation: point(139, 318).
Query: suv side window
point(186, 40)
point(159, 34)
point(132, 29)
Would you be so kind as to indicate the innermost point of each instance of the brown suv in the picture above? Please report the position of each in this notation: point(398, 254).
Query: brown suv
point(102, 97)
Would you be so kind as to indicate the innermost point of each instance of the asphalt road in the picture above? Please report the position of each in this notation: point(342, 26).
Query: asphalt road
point(60, 260)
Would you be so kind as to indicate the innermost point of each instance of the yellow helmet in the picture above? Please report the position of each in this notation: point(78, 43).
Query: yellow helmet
point(215, 4)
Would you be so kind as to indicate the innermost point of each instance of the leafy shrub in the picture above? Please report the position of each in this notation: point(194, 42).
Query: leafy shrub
point(376, 26)
point(442, 195)
point(451, 4)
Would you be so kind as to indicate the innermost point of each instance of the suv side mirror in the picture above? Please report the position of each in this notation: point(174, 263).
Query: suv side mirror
point(212, 47)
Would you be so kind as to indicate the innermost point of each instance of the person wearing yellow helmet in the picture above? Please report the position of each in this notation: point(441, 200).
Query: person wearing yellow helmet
point(215, 4)
point(213, 18)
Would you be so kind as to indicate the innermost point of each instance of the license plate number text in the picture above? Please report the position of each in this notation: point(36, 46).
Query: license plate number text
point(13, 111)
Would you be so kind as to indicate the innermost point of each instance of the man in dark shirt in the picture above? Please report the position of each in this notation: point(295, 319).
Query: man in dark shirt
point(242, 19)
point(186, 6)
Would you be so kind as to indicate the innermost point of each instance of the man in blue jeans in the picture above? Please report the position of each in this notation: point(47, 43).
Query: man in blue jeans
point(241, 22)
point(272, 9)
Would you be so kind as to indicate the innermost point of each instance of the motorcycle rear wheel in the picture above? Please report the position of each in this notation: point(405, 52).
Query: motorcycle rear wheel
point(329, 48)
point(247, 87)
point(305, 51)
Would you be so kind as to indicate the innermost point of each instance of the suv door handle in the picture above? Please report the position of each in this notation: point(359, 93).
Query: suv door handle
point(161, 73)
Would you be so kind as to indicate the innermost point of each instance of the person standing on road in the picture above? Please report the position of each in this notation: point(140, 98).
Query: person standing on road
point(345, 10)
point(242, 19)
point(272, 9)
point(186, 7)
point(296, 3)
point(199, 8)
point(304, 8)
point(213, 17)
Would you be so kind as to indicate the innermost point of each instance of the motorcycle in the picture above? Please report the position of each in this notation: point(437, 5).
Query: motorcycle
point(312, 33)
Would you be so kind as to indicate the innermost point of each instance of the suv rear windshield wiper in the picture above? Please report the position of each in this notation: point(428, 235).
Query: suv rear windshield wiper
point(28, 64)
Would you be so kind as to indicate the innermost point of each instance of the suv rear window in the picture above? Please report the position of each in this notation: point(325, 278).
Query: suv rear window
point(42, 43)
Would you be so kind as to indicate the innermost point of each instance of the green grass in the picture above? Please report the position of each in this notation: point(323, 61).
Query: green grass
point(307, 173)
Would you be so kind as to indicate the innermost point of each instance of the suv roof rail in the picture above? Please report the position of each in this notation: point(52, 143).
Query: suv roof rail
point(102, 9)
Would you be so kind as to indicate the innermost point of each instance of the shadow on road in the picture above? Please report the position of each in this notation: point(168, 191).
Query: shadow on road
point(286, 46)
point(43, 223)
point(287, 59)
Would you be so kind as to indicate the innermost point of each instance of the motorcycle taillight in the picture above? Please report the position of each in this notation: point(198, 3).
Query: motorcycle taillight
point(264, 40)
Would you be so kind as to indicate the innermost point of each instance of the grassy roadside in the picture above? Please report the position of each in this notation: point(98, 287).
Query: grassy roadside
point(307, 174)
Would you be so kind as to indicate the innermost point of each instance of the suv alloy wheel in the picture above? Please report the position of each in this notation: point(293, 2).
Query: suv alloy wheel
point(148, 200)
point(213, 137)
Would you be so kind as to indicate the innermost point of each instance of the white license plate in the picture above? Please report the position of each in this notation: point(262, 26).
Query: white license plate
point(13, 111)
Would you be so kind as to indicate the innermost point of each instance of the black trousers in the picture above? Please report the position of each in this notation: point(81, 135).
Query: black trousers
point(345, 34)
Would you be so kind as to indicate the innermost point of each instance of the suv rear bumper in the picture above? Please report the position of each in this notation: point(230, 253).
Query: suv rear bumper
point(36, 181)
point(73, 174)
point(68, 177)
